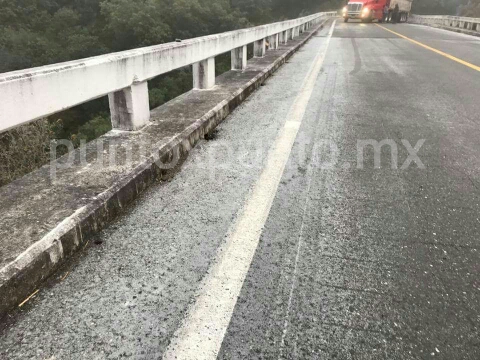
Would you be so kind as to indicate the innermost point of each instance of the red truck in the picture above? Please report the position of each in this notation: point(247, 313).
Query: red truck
point(369, 10)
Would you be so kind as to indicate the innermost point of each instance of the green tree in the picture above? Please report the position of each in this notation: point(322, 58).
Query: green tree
point(436, 7)
point(471, 9)
point(134, 23)
point(94, 128)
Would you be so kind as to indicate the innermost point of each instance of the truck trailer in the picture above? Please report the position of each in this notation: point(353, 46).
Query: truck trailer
point(369, 10)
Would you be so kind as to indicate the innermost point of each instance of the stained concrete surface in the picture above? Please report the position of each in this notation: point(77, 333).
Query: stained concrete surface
point(387, 259)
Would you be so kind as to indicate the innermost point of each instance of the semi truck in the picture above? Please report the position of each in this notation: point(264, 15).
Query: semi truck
point(369, 10)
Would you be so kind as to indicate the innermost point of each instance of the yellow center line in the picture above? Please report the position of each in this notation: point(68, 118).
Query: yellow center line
point(451, 57)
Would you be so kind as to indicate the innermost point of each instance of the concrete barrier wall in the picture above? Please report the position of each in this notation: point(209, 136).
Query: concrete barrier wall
point(456, 23)
point(30, 94)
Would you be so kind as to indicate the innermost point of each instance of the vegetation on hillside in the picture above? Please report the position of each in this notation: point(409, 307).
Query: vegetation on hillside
point(438, 7)
point(471, 9)
point(24, 149)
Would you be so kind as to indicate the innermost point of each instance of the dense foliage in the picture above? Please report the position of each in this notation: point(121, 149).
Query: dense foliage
point(471, 9)
point(24, 150)
point(38, 32)
point(438, 7)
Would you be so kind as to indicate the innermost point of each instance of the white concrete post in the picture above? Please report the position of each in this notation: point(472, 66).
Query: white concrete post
point(283, 37)
point(129, 107)
point(271, 43)
point(273, 40)
point(259, 48)
point(292, 33)
point(204, 74)
point(239, 58)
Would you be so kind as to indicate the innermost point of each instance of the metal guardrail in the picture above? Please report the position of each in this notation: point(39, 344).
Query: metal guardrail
point(447, 21)
point(30, 94)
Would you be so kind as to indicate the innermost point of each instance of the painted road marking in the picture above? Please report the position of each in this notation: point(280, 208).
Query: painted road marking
point(451, 57)
point(202, 332)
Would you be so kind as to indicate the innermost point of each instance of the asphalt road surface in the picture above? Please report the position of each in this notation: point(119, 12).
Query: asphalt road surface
point(277, 240)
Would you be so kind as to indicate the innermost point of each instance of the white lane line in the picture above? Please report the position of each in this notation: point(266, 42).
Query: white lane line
point(204, 327)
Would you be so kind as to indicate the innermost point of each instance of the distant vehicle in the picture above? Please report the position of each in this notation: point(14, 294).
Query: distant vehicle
point(369, 10)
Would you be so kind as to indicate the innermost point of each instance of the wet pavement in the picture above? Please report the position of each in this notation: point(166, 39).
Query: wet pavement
point(354, 262)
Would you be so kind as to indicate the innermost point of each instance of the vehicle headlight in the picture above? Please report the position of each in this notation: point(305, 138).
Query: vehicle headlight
point(344, 9)
point(365, 10)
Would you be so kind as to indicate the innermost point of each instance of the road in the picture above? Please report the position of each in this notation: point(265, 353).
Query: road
point(277, 241)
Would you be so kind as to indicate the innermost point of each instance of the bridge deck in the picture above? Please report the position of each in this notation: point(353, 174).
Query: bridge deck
point(351, 263)
point(49, 214)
